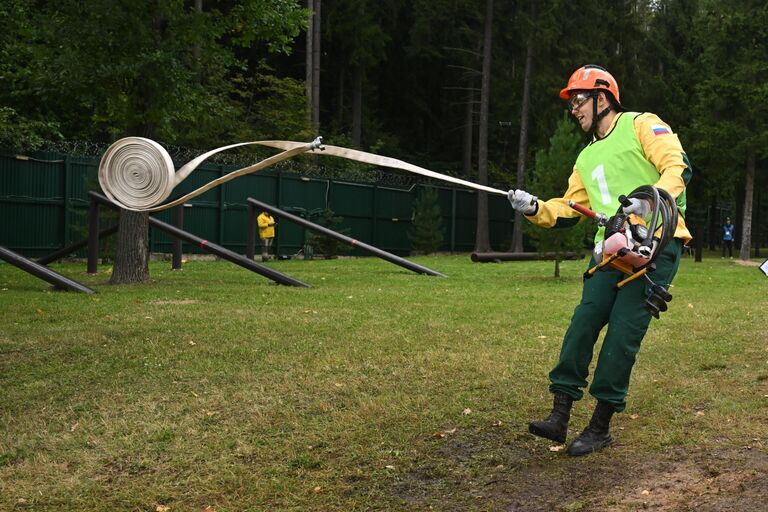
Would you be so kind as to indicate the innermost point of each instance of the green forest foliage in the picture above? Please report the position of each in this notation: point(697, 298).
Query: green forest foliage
point(101, 70)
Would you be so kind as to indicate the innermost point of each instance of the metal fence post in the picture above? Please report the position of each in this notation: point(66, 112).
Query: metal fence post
point(250, 244)
point(279, 196)
point(222, 199)
point(178, 221)
point(93, 237)
point(67, 214)
point(374, 206)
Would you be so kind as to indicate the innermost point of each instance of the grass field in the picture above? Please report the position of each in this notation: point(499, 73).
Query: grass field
point(213, 389)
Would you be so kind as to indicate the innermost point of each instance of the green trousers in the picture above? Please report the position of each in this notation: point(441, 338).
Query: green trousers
point(624, 312)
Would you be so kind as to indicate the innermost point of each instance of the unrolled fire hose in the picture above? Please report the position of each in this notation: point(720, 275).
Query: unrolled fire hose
point(138, 174)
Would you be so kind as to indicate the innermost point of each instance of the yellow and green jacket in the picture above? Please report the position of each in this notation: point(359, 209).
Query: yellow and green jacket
point(639, 149)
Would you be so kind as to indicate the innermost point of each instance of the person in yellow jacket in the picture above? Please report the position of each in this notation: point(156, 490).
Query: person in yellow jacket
point(266, 233)
point(627, 150)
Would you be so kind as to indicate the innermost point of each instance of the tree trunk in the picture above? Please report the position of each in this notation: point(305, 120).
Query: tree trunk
point(132, 253)
point(340, 115)
point(357, 108)
point(469, 130)
point(713, 222)
point(746, 221)
point(316, 28)
point(308, 64)
point(758, 239)
point(522, 155)
point(196, 48)
point(482, 240)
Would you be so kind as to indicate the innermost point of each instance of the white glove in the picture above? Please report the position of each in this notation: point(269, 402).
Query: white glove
point(639, 207)
point(523, 202)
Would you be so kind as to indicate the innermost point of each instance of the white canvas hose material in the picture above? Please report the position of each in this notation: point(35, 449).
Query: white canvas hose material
point(138, 174)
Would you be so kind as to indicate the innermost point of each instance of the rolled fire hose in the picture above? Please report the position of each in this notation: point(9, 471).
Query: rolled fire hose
point(138, 174)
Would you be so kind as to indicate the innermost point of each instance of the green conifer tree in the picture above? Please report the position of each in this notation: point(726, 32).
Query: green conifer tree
point(426, 233)
point(553, 167)
point(327, 246)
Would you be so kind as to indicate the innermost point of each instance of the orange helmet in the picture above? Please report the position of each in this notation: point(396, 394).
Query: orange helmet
point(590, 78)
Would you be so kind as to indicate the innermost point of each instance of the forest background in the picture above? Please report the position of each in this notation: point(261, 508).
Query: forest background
point(462, 87)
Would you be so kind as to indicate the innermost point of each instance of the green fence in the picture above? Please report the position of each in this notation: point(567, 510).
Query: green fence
point(44, 205)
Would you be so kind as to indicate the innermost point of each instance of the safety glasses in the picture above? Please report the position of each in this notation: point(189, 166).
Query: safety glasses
point(577, 100)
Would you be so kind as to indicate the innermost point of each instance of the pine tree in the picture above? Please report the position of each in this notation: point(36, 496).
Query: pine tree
point(426, 233)
point(327, 246)
point(553, 166)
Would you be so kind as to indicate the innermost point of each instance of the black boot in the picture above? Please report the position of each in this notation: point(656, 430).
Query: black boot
point(555, 427)
point(596, 436)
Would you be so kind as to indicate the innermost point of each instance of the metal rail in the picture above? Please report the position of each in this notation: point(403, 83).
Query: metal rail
point(218, 250)
point(42, 272)
point(397, 260)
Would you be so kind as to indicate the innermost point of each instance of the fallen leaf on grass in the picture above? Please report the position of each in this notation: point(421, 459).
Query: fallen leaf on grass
point(390, 467)
point(467, 411)
point(497, 423)
point(645, 492)
point(699, 413)
point(440, 435)
point(209, 509)
point(556, 448)
point(317, 489)
point(633, 416)
point(162, 508)
point(73, 427)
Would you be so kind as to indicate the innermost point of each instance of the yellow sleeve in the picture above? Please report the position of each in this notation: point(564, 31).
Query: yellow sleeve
point(556, 209)
point(263, 221)
point(664, 151)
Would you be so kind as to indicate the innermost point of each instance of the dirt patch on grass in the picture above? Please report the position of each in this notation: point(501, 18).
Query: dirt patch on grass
point(748, 263)
point(498, 470)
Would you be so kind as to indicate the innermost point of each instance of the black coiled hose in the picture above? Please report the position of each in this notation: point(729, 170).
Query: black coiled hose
point(663, 215)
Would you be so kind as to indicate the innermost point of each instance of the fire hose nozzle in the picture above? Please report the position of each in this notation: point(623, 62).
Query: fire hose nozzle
point(600, 218)
point(317, 144)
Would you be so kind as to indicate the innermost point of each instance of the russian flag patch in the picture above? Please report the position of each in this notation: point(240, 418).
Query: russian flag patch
point(660, 129)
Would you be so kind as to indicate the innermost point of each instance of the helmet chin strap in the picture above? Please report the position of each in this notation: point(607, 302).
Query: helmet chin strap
point(595, 116)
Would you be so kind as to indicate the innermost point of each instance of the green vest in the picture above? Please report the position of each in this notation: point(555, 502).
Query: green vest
point(616, 165)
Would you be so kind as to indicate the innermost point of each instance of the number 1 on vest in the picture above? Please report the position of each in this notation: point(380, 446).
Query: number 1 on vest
point(599, 175)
